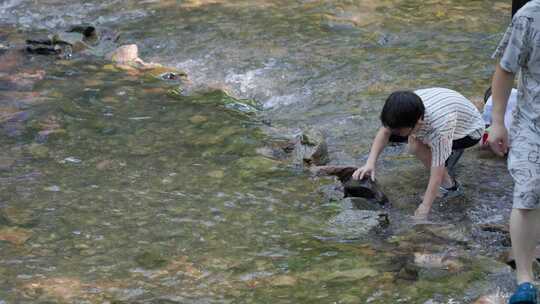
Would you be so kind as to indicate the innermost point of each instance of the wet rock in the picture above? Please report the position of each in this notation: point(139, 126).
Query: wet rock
point(501, 228)
point(353, 224)
point(365, 188)
point(150, 260)
point(218, 174)
point(38, 151)
point(16, 216)
point(63, 289)
point(350, 299)
point(343, 173)
point(438, 261)
point(309, 149)
point(408, 272)
point(362, 203)
point(75, 39)
point(198, 119)
point(253, 166)
point(306, 149)
point(15, 235)
point(272, 153)
point(6, 163)
point(351, 275)
point(453, 233)
point(126, 54)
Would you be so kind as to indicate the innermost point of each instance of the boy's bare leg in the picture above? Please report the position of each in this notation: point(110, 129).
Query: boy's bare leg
point(525, 233)
point(423, 153)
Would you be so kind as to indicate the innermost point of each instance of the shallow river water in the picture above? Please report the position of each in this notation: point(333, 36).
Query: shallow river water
point(115, 189)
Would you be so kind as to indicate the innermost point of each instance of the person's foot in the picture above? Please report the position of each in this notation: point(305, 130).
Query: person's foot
point(454, 191)
point(526, 293)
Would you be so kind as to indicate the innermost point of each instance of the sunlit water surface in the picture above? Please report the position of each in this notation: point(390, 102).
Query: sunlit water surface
point(115, 190)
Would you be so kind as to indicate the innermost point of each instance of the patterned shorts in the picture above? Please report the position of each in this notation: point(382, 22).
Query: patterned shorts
point(524, 166)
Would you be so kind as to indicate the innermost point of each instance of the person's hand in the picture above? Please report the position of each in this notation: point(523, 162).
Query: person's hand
point(361, 172)
point(422, 211)
point(498, 139)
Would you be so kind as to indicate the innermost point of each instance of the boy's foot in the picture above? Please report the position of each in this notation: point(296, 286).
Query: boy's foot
point(525, 294)
point(454, 191)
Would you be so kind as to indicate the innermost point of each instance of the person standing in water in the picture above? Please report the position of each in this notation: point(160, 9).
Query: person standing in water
point(519, 52)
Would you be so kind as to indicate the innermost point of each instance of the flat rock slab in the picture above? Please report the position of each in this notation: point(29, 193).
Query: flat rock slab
point(353, 224)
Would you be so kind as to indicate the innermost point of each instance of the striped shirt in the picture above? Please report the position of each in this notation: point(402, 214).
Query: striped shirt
point(448, 116)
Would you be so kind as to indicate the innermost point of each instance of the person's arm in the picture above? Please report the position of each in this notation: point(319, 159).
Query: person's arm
point(380, 141)
point(501, 88)
point(435, 180)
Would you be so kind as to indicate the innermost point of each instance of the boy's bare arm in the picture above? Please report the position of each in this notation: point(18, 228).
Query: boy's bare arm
point(380, 141)
point(501, 87)
point(435, 180)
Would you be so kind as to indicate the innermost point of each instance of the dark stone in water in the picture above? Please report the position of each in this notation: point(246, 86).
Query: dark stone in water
point(365, 188)
point(87, 31)
point(75, 39)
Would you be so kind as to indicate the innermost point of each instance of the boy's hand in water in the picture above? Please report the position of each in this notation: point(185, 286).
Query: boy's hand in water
point(498, 139)
point(422, 211)
point(361, 172)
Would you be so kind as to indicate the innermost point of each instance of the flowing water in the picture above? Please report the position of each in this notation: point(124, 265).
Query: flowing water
point(116, 190)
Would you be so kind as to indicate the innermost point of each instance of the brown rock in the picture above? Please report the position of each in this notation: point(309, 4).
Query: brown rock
point(104, 164)
point(14, 235)
point(125, 54)
point(284, 281)
point(439, 261)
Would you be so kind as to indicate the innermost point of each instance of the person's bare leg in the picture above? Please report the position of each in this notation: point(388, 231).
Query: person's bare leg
point(525, 234)
point(423, 153)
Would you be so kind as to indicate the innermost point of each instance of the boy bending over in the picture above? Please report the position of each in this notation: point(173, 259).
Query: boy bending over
point(435, 122)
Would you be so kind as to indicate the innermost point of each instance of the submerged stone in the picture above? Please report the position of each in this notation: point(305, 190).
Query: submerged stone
point(198, 119)
point(365, 188)
point(38, 151)
point(284, 281)
point(150, 260)
point(353, 224)
point(15, 235)
point(438, 261)
point(310, 148)
point(351, 275)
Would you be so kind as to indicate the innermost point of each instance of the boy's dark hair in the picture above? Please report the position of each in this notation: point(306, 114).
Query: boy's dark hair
point(402, 109)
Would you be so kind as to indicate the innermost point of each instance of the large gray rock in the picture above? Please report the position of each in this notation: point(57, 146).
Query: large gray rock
point(354, 224)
